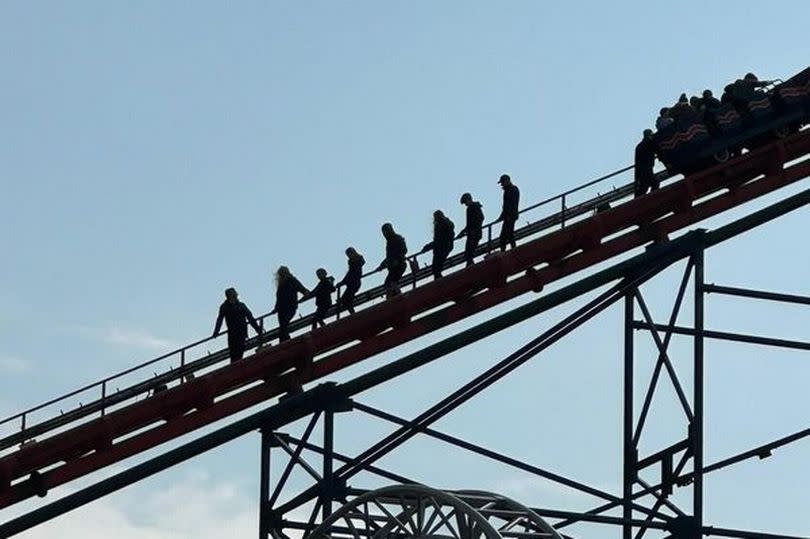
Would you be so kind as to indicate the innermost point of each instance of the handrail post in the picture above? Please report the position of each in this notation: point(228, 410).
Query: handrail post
point(182, 363)
point(22, 422)
point(103, 397)
point(489, 238)
point(337, 303)
point(562, 211)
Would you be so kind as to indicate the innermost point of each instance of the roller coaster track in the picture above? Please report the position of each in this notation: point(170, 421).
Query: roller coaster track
point(575, 239)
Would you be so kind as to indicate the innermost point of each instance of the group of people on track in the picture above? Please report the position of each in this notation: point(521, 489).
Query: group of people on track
point(290, 291)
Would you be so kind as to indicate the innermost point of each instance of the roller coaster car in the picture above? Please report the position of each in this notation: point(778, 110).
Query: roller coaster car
point(679, 143)
point(793, 95)
point(725, 121)
point(757, 120)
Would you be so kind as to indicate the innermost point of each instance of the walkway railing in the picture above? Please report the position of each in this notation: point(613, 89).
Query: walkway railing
point(105, 395)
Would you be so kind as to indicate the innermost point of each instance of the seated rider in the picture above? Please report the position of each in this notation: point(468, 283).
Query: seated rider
point(710, 103)
point(664, 119)
point(682, 112)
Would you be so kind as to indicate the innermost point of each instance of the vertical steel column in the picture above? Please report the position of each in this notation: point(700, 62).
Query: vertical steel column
point(328, 460)
point(629, 449)
point(264, 484)
point(697, 423)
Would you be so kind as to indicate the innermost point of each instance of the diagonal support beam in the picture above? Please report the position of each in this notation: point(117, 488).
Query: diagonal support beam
point(673, 318)
point(665, 357)
point(483, 451)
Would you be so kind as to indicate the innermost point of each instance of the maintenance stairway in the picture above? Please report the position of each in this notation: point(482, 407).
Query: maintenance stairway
point(113, 426)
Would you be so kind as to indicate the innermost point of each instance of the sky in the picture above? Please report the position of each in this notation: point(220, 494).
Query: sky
point(154, 153)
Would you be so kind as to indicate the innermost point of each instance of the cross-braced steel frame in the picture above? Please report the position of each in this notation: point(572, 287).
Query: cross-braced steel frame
point(645, 505)
point(330, 483)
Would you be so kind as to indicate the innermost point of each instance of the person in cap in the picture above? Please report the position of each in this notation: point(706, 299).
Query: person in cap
point(395, 251)
point(644, 162)
point(323, 296)
point(509, 211)
point(351, 280)
point(472, 228)
point(236, 316)
point(287, 289)
point(442, 244)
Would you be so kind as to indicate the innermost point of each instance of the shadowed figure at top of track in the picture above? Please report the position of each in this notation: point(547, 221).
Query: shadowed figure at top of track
point(395, 251)
point(287, 289)
point(645, 179)
point(473, 227)
point(442, 244)
point(509, 212)
point(236, 316)
point(351, 280)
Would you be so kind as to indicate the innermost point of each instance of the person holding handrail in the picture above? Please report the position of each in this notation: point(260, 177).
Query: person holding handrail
point(509, 212)
point(236, 316)
point(287, 289)
point(395, 251)
point(351, 280)
point(473, 228)
point(442, 244)
point(323, 296)
point(645, 178)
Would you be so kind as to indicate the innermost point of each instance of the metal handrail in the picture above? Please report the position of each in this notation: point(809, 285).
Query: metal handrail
point(186, 369)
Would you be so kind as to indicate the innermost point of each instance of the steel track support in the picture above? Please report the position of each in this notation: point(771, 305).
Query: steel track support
point(264, 483)
point(630, 456)
point(696, 430)
point(683, 526)
point(328, 494)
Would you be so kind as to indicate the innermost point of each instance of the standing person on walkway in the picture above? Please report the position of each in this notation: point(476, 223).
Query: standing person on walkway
point(236, 316)
point(644, 162)
point(323, 296)
point(473, 227)
point(287, 289)
point(395, 251)
point(509, 212)
point(351, 280)
point(442, 244)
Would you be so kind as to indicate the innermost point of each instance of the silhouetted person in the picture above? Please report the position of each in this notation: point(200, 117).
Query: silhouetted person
point(664, 119)
point(682, 112)
point(287, 290)
point(744, 90)
point(710, 103)
point(475, 220)
point(395, 251)
point(509, 212)
point(752, 86)
point(442, 244)
point(236, 316)
point(352, 279)
point(323, 296)
point(644, 163)
point(697, 107)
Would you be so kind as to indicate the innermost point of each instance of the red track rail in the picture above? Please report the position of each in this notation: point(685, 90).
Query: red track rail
point(271, 372)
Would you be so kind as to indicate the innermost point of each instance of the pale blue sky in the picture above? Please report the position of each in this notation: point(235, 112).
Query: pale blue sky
point(153, 153)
